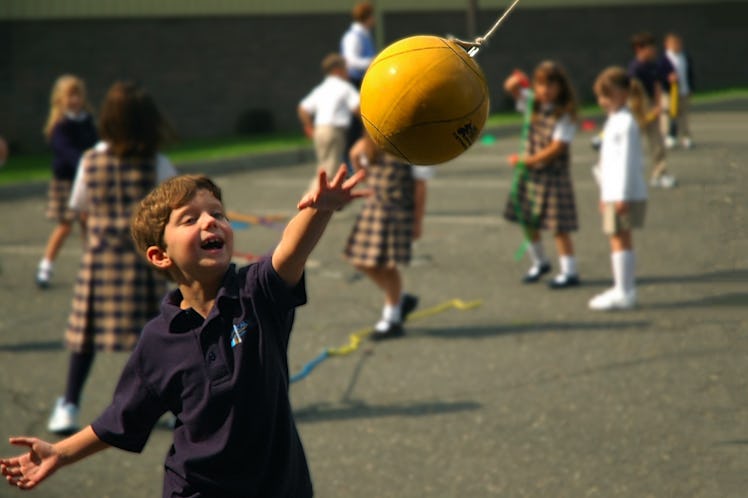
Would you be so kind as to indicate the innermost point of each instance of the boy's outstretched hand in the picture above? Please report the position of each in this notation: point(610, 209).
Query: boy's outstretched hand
point(335, 194)
point(27, 470)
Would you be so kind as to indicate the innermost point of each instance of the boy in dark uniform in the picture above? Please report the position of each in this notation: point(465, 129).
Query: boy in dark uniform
point(216, 356)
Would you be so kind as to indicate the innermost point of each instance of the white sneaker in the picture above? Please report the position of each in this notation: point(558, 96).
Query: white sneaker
point(613, 299)
point(43, 275)
point(667, 181)
point(670, 142)
point(687, 143)
point(64, 418)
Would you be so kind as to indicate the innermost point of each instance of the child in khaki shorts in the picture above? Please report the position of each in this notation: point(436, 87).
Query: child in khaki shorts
point(632, 217)
point(623, 190)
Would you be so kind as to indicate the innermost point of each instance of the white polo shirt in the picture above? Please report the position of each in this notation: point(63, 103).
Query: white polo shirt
point(332, 102)
point(621, 159)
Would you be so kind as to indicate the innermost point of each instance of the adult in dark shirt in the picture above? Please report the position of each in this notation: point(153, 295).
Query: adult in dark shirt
point(70, 131)
point(654, 75)
point(216, 356)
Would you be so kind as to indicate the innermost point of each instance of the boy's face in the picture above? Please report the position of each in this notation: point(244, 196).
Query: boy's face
point(646, 52)
point(199, 239)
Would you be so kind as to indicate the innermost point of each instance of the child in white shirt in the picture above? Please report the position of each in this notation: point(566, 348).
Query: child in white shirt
point(623, 190)
point(326, 114)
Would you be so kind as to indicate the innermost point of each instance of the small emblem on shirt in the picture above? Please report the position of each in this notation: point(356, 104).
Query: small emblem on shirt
point(238, 332)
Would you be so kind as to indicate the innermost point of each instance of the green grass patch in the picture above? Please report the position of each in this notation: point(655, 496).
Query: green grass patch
point(24, 168)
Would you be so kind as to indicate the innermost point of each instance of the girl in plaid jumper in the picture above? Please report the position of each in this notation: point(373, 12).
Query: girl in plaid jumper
point(385, 229)
point(545, 198)
point(116, 292)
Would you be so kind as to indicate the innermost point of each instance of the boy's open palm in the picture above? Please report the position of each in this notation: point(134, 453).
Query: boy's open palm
point(330, 196)
point(27, 470)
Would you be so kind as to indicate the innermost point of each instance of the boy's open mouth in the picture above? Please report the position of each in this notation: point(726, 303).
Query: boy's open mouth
point(212, 243)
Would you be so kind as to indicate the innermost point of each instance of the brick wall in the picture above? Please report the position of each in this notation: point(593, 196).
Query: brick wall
point(205, 72)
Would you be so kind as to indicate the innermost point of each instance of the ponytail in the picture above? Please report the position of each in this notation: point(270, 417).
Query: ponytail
point(638, 101)
point(616, 77)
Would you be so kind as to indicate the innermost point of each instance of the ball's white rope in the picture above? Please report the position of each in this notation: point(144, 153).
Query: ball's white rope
point(478, 43)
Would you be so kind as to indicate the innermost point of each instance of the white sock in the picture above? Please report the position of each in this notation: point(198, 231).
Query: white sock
point(391, 313)
point(629, 267)
point(537, 253)
point(568, 265)
point(45, 264)
point(623, 271)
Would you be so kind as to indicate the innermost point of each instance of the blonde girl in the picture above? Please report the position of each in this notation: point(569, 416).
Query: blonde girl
point(623, 190)
point(69, 130)
point(544, 196)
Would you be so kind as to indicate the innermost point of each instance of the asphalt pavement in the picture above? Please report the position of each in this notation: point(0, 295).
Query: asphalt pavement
point(528, 395)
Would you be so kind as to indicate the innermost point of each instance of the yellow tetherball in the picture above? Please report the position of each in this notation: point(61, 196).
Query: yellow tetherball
point(424, 99)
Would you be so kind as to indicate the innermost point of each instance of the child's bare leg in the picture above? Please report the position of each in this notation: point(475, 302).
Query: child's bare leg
point(387, 279)
point(564, 245)
point(56, 240)
point(533, 235)
point(622, 241)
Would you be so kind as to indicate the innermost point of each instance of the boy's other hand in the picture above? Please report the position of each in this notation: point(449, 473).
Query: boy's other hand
point(331, 196)
point(27, 470)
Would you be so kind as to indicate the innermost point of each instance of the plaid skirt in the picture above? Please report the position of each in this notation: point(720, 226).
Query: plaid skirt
point(58, 196)
point(544, 200)
point(381, 237)
point(115, 294)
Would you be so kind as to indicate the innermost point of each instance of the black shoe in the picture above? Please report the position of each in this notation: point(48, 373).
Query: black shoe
point(534, 274)
point(564, 281)
point(408, 303)
point(393, 331)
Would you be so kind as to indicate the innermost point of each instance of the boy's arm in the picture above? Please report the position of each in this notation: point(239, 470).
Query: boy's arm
point(43, 459)
point(305, 229)
point(306, 122)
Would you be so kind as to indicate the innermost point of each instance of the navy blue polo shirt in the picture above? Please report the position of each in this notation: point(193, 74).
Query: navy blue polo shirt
point(650, 72)
point(226, 379)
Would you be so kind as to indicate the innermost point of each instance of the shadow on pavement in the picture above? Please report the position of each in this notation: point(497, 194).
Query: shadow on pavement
point(524, 328)
point(321, 412)
point(32, 347)
point(724, 276)
point(737, 299)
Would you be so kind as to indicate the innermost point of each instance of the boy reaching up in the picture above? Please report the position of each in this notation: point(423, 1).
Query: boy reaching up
point(216, 355)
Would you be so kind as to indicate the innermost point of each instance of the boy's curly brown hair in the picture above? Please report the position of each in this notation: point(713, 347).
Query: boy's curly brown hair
point(152, 214)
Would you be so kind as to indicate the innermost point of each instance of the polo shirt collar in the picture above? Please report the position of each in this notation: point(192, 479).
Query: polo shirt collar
point(181, 321)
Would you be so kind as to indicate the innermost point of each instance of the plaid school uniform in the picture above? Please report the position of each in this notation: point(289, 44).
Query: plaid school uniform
point(58, 197)
point(383, 231)
point(115, 293)
point(545, 197)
